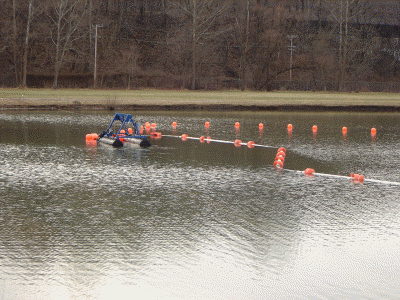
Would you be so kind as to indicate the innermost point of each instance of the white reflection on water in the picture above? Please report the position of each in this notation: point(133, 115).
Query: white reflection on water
point(193, 221)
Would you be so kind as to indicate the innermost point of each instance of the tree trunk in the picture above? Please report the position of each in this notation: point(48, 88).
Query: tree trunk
point(15, 45)
point(244, 53)
point(26, 48)
point(57, 60)
point(194, 57)
point(343, 67)
point(340, 47)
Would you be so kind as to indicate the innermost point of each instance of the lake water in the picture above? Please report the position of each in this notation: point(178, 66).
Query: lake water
point(191, 220)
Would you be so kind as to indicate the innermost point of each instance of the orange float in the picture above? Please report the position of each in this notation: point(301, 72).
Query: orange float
point(361, 178)
point(250, 144)
point(281, 153)
point(184, 137)
point(278, 164)
point(282, 149)
point(155, 135)
point(237, 143)
point(309, 172)
point(202, 139)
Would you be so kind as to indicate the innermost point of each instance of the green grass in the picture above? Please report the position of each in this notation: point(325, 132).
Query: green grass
point(10, 96)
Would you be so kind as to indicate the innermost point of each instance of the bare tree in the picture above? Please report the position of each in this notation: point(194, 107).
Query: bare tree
point(67, 16)
point(241, 32)
point(15, 41)
point(26, 46)
point(345, 13)
point(202, 15)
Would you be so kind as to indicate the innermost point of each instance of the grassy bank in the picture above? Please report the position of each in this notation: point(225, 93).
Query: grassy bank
point(64, 98)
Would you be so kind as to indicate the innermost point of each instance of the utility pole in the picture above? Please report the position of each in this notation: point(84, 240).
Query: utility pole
point(291, 47)
point(95, 56)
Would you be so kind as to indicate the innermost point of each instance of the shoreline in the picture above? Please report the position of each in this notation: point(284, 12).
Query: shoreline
point(170, 100)
point(201, 107)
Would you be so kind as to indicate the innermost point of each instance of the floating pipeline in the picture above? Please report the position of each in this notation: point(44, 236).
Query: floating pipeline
point(355, 178)
point(280, 155)
point(309, 172)
point(238, 143)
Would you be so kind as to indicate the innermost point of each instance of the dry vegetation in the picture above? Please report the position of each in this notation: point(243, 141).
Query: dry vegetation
point(173, 99)
point(201, 44)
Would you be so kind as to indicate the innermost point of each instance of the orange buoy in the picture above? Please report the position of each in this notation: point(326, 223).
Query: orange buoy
point(153, 125)
point(202, 139)
point(237, 143)
point(91, 143)
point(280, 157)
point(373, 131)
point(250, 144)
point(282, 149)
point(155, 135)
point(147, 125)
point(344, 130)
point(309, 172)
point(122, 132)
point(281, 153)
point(278, 164)
point(208, 140)
point(290, 127)
point(88, 136)
point(260, 126)
point(130, 130)
point(174, 124)
point(184, 137)
point(237, 124)
point(361, 178)
point(207, 124)
point(315, 128)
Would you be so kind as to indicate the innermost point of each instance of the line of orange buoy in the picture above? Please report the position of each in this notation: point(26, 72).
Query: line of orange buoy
point(315, 130)
point(261, 127)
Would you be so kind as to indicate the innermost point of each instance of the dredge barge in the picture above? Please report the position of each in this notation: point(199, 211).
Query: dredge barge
point(127, 132)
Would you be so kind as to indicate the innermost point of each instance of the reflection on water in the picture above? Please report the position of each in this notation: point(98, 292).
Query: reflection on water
point(198, 221)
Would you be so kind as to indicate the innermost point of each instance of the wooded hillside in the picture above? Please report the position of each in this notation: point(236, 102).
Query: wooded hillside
point(201, 44)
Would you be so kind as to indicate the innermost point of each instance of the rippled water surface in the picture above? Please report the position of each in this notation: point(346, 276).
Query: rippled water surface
point(191, 220)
